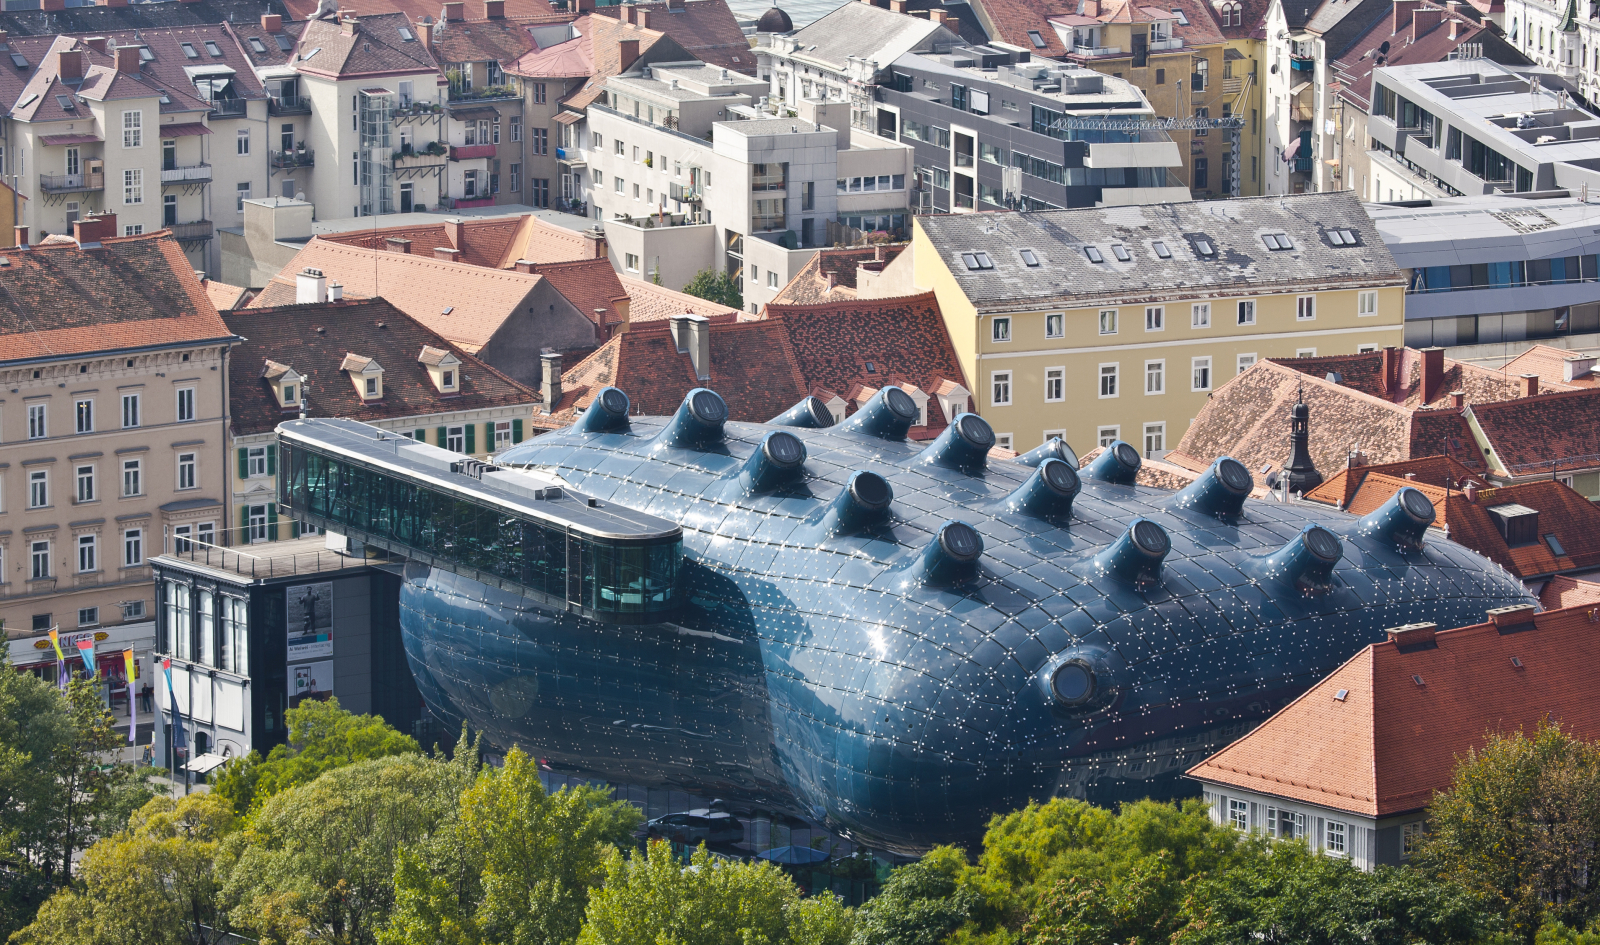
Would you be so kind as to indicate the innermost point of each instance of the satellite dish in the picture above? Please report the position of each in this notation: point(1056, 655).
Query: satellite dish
point(1384, 47)
point(300, 196)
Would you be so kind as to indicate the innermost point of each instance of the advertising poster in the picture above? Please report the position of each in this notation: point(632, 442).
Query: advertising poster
point(310, 621)
point(310, 681)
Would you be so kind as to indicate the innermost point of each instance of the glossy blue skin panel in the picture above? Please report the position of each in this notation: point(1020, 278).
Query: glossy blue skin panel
point(807, 673)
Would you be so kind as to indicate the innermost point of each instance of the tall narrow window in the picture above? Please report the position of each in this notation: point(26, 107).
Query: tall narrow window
point(132, 548)
point(131, 478)
point(1000, 393)
point(130, 410)
point(186, 470)
point(1155, 377)
point(1247, 312)
point(1155, 440)
point(185, 404)
point(133, 129)
point(38, 489)
point(1200, 371)
point(1054, 384)
point(86, 554)
point(133, 185)
point(1108, 380)
point(85, 477)
point(36, 422)
point(1367, 303)
point(1108, 321)
point(1200, 315)
point(1305, 308)
point(84, 411)
point(40, 552)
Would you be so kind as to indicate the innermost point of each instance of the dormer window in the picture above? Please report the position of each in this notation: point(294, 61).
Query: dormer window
point(372, 387)
point(447, 380)
point(444, 369)
point(286, 384)
point(288, 394)
point(367, 375)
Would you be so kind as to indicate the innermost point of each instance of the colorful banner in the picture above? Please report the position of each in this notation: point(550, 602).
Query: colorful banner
point(86, 650)
point(179, 739)
point(133, 707)
point(61, 661)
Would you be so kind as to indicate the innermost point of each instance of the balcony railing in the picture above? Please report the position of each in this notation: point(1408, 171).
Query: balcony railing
point(1175, 42)
point(228, 108)
point(467, 152)
point(488, 93)
point(1096, 50)
point(463, 203)
point(289, 105)
point(684, 193)
point(187, 232)
point(303, 157)
point(71, 183)
point(767, 222)
point(187, 173)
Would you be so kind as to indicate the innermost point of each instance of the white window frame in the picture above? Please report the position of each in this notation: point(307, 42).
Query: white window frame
point(1410, 838)
point(1155, 318)
point(1159, 429)
point(1114, 375)
point(39, 554)
point(130, 411)
point(83, 414)
point(1051, 434)
point(242, 141)
point(255, 459)
point(1200, 315)
point(185, 404)
point(133, 185)
point(256, 524)
point(1305, 352)
point(1000, 330)
point(88, 554)
point(188, 471)
point(132, 547)
point(1238, 814)
point(1055, 385)
point(1055, 325)
point(1305, 308)
point(38, 421)
point(1003, 440)
point(1105, 436)
point(1366, 303)
point(1241, 365)
point(39, 489)
point(1336, 841)
point(999, 388)
point(1366, 349)
point(1196, 382)
point(132, 478)
point(84, 484)
point(502, 435)
point(133, 129)
point(1245, 312)
point(1158, 376)
point(455, 439)
point(1108, 320)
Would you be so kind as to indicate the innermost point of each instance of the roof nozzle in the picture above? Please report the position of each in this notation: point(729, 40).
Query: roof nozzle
point(864, 501)
point(1119, 463)
point(1048, 493)
point(1053, 448)
point(1136, 557)
point(1306, 561)
point(963, 445)
point(698, 423)
point(780, 458)
point(1219, 491)
point(951, 558)
point(887, 416)
point(607, 414)
point(1403, 520)
point(810, 413)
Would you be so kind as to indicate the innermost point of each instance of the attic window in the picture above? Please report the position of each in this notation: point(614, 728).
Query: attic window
point(447, 380)
point(1183, 19)
point(66, 102)
point(284, 45)
point(188, 51)
point(407, 36)
point(976, 261)
point(1276, 241)
point(1516, 661)
point(288, 393)
point(1161, 249)
point(29, 100)
point(307, 56)
point(1555, 546)
point(19, 60)
point(1417, 680)
point(1121, 252)
point(165, 98)
point(145, 55)
point(1093, 252)
point(1342, 237)
point(1204, 247)
point(1030, 258)
point(1341, 695)
point(257, 46)
point(213, 49)
point(1037, 38)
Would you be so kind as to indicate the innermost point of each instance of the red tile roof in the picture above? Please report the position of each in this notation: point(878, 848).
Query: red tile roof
point(1391, 743)
point(131, 292)
point(706, 29)
point(225, 296)
point(1401, 37)
point(572, 59)
point(1550, 364)
point(495, 243)
point(1545, 434)
point(650, 302)
point(541, 242)
point(588, 284)
point(1563, 591)
point(376, 48)
point(810, 284)
point(456, 41)
point(415, 10)
point(1340, 487)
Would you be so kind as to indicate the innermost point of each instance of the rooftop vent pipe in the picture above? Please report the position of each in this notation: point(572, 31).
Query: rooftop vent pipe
point(1053, 448)
point(1136, 557)
point(607, 414)
point(1402, 520)
point(780, 458)
point(1048, 493)
point(1119, 463)
point(698, 423)
point(1219, 491)
point(887, 416)
point(810, 413)
point(963, 445)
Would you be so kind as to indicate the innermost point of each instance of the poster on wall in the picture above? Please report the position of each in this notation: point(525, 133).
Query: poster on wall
point(310, 621)
point(310, 681)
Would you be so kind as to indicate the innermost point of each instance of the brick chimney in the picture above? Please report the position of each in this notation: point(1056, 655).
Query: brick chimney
point(525, 265)
point(86, 230)
point(271, 23)
point(1401, 15)
point(585, 6)
point(455, 11)
point(111, 3)
point(1424, 19)
point(1470, 490)
point(642, 17)
point(936, 17)
point(1527, 385)
point(1454, 25)
point(1390, 372)
point(445, 252)
point(1516, 615)
point(1432, 373)
point(1458, 400)
point(128, 60)
point(348, 24)
point(494, 9)
point(69, 63)
point(96, 43)
point(394, 244)
point(897, 6)
point(310, 286)
point(594, 243)
point(20, 235)
point(1413, 635)
point(52, 6)
point(424, 33)
point(550, 386)
point(627, 13)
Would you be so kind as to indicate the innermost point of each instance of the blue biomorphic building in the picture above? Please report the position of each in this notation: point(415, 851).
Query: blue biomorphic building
point(899, 639)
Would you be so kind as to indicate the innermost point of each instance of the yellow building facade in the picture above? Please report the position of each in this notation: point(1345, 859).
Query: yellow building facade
point(1130, 358)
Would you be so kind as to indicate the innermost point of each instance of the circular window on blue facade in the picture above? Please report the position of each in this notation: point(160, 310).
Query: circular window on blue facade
point(1073, 683)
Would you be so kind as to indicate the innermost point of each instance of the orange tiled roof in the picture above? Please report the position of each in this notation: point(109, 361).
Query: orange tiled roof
point(537, 241)
point(1390, 743)
point(225, 296)
point(650, 302)
point(1545, 434)
point(706, 29)
point(500, 40)
point(588, 284)
point(1340, 487)
point(1564, 591)
point(1550, 364)
point(810, 284)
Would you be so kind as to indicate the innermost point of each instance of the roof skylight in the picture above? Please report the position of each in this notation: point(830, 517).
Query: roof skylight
point(407, 35)
point(1277, 241)
point(1121, 252)
point(145, 55)
point(1093, 252)
point(66, 102)
point(1161, 249)
point(976, 261)
point(1204, 247)
point(1037, 38)
point(1030, 258)
point(1342, 237)
point(1183, 18)
point(257, 46)
point(284, 44)
point(19, 60)
point(188, 50)
point(213, 49)
point(28, 100)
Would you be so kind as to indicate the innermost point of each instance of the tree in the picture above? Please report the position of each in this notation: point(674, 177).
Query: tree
point(651, 897)
point(921, 904)
point(319, 859)
point(152, 884)
point(322, 736)
point(716, 287)
point(1137, 908)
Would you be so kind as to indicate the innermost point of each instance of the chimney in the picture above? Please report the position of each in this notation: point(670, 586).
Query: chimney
point(1470, 490)
point(128, 60)
point(1453, 25)
point(424, 31)
point(1424, 19)
point(271, 23)
point(897, 6)
point(594, 242)
point(1458, 400)
point(831, 277)
point(394, 244)
point(20, 235)
point(1411, 476)
point(445, 252)
point(1413, 635)
point(700, 346)
point(452, 231)
point(96, 43)
point(52, 6)
point(348, 24)
point(1400, 17)
point(1575, 366)
point(494, 9)
point(1527, 385)
point(310, 286)
point(642, 17)
point(627, 52)
point(335, 292)
point(455, 11)
point(525, 265)
point(1515, 616)
point(88, 230)
point(69, 63)
point(627, 13)
point(1432, 373)
point(550, 386)
point(1391, 371)
point(112, 3)
point(585, 6)
point(936, 17)
point(679, 326)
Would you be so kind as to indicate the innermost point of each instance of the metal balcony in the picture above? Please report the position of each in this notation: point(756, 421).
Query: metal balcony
point(684, 193)
point(192, 232)
point(289, 105)
point(229, 108)
point(304, 157)
point(189, 173)
point(467, 152)
point(71, 183)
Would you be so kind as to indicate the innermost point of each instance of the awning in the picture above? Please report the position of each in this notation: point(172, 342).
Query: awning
point(1231, 55)
point(567, 118)
point(206, 763)
point(187, 129)
point(376, 91)
point(53, 140)
point(475, 111)
point(1332, 162)
point(1298, 89)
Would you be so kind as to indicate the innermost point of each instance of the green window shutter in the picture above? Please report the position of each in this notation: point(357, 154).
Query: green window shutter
point(516, 431)
point(272, 460)
point(294, 529)
point(244, 463)
point(443, 437)
point(421, 436)
point(244, 525)
point(488, 437)
point(272, 521)
point(471, 446)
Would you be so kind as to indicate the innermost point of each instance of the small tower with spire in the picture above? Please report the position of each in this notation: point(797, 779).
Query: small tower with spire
point(1567, 42)
point(1299, 472)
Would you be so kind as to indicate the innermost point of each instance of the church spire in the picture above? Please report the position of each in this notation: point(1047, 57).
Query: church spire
point(1300, 472)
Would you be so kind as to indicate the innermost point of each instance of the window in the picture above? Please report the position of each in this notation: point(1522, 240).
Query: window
point(1244, 362)
point(86, 554)
point(1002, 440)
point(1202, 167)
point(1121, 252)
point(1037, 38)
point(515, 179)
point(1305, 352)
point(1305, 308)
point(502, 435)
point(130, 478)
point(241, 193)
point(1155, 440)
point(619, 185)
point(1410, 838)
point(1238, 814)
point(1055, 384)
point(1029, 257)
point(256, 462)
point(1200, 374)
point(130, 410)
point(632, 262)
point(88, 616)
point(1002, 330)
point(1367, 303)
point(620, 148)
point(1200, 315)
point(133, 229)
point(371, 388)
point(976, 261)
point(1108, 321)
point(1105, 436)
point(1155, 318)
point(133, 129)
point(186, 403)
point(1055, 325)
point(1000, 391)
point(186, 468)
point(84, 412)
point(1335, 842)
point(1155, 377)
point(133, 548)
point(541, 139)
point(1108, 380)
point(455, 439)
point(85, 477)
point(1247, 312)
point(40, 552)
point(38, 489)
point(1094, 254)
point(772, 279)
point(256, 523)
point(242, 141)
point(133, 185)
point(1162, 252)
point(132, 610)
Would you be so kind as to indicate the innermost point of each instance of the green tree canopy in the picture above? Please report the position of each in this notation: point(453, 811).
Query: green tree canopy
point(921, 904)
point(322, 736)
point(716, 287)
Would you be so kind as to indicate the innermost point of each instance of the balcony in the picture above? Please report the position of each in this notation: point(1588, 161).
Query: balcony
point(467, 152)
point(289, 105)
point(684, 193)
point(1173, 42)
point(71, 183)
point(432, 155)
point(304, 157)
point(464, 203)
point(186, 174)
point(229, 108)
point(1088, 52)
point(488, 93)
point(191, 232)
point(572, 157)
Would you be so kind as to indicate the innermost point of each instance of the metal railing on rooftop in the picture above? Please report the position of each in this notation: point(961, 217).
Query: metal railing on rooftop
point(260, 563)
point(71, 183)
point(229, 108)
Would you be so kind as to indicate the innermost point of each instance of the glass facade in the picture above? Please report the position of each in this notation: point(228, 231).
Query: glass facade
point(1505, 275)
point(199, 625)
point(548, 559)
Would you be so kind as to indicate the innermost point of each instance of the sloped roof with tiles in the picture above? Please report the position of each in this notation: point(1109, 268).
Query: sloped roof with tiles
point(588, 284)
point(417, 9)
point(99, 20)
point(1545, 434)
point(1564, 591)
point(868, 32)
point(810, 285)
point(315, 340)
point(1418, 32)
point(375, 48)
point(167, 69)
point(1338, 488)
point(537, 241)
point(1407, 714)
point(499, 40)
point(706, 29)
point(1365, 372)
point(649, 302)
point(494, 243)
point(464, 303)
point(131, 292)
point(1551, 366)
point(225, 296)
point(249, 34)
point(423, 238)
point(571, 59)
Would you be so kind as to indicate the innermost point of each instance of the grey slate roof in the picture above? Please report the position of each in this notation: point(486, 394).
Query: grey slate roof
point(863, 31)
point(1234, 228)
